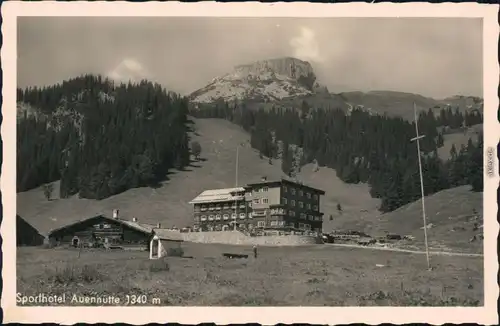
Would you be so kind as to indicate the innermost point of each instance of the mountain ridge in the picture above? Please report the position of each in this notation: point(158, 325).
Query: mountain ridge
point(288, 81)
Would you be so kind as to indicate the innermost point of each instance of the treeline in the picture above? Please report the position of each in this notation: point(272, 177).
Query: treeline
point(99, 138)
point(361, 147)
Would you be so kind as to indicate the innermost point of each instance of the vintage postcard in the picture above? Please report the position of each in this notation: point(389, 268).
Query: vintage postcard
point(236, 163)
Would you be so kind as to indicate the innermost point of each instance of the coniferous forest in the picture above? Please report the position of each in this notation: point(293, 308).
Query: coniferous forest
point(374, 149)
point(101, 139)
point(98, 138)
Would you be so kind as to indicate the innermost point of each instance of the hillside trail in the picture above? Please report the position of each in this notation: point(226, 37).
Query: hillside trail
point(445, 253)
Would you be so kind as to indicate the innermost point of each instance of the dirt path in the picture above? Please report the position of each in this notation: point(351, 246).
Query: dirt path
point(446, 253)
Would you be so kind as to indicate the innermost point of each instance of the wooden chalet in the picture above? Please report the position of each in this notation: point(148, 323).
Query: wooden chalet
point(27, 234)
point(112, 232)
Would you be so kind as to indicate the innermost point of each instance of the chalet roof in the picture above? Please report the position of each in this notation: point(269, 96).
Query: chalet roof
point(164, 234)
point(217, 195)
point(21, 222)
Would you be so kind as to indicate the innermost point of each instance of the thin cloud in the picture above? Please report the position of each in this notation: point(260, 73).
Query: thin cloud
point(305, 45)
point(128, 70)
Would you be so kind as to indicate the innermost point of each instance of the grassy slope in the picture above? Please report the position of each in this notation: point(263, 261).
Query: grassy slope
point(218, 139)
point(458, 139)
point(308, 276)
point(169, 204)
point(449, 211)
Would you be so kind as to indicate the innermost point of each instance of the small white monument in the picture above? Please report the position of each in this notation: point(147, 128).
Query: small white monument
point(156, 249)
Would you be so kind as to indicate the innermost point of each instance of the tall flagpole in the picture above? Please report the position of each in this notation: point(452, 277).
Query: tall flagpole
point(417, 139)
point(236, 186)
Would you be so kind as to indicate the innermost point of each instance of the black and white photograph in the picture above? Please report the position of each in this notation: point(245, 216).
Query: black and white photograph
point(251, 161)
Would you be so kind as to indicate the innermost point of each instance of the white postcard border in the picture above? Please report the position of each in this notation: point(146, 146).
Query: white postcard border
point(232, 315)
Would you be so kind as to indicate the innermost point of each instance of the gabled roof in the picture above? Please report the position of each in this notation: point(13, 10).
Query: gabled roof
point(21, 222)
point(217, 195)
point(164, 234)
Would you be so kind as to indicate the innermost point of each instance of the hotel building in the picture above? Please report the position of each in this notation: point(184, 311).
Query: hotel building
point(281, 204)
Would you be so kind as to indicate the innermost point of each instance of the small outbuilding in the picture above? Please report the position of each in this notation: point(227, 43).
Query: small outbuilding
point(164, 241)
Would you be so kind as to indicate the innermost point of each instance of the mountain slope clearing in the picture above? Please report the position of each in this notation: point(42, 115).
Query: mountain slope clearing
point(217, 169)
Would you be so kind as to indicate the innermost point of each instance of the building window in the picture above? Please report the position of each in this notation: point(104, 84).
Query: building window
point(285, 189)
point(281, 223)
point(308, 206)
point(316, 207)
point(265, 189)
point(218, 207)
point(265, 200)
point(301, 204)
point(315, 197)
point(218, 217)
point(250, 204)
point(203, 217)
point(301, 225)
point(292, 191)
point(301, 193)
point(261, 223)
point(302, 215)
point(284, 200)
point(211, 208)
point(226, 216)
point(292, 202)
point(274, 223)
point(307, 226)
point(250, 215)
point(292, 213)
point(311, 218)
point(211, 217)
point(233, 216)
point(308, 195)
point(203, 208)
point(256, 201)
point(242, 215)
point(226, 206)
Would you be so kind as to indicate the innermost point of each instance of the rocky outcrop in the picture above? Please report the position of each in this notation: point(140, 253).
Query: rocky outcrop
point(264, 80)
point(290, 67)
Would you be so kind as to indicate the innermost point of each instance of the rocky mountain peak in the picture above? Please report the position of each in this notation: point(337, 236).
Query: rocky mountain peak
point(287, 66)
point(266, 80)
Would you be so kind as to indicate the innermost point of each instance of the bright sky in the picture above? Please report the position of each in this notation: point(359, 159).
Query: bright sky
point(435, 57)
